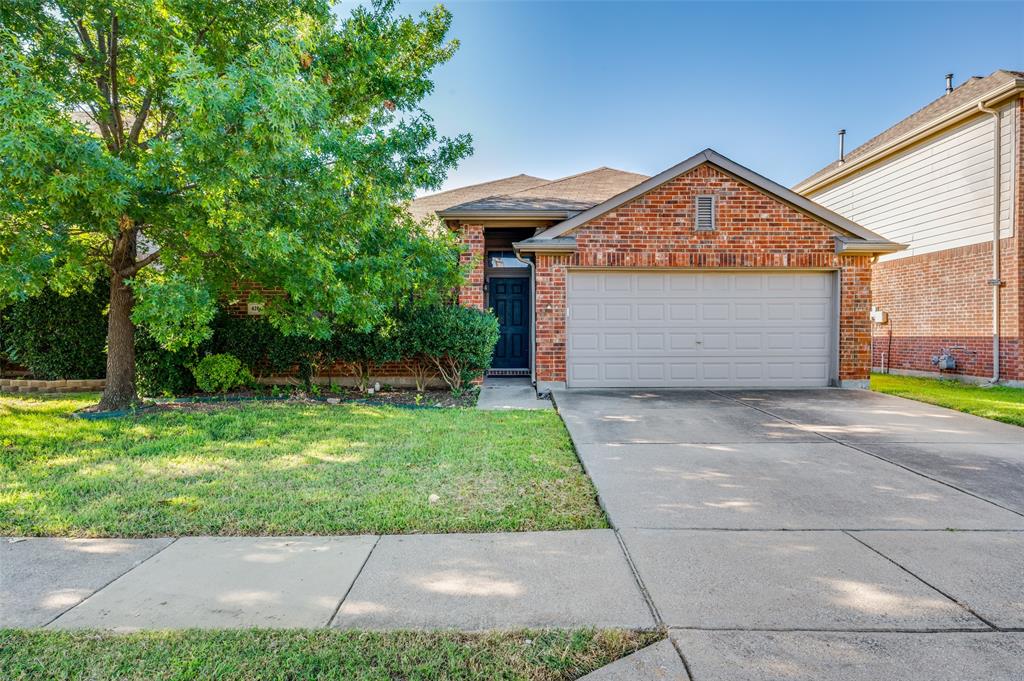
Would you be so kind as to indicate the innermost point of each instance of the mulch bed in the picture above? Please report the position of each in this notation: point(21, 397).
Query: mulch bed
point(396, 397)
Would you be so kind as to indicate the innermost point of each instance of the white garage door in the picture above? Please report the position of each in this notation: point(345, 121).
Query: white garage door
point(683, 329)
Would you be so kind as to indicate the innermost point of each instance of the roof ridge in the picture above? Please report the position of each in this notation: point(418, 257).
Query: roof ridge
point(867, 147)
point(572, 177)
point(481, 184)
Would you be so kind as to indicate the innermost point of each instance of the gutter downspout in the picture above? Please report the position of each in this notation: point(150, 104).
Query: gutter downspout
point(995, 282)
point(533, 317)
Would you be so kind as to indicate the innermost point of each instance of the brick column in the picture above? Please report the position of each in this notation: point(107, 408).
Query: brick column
point(471, 294)
point(854, 319)
point(550, 310)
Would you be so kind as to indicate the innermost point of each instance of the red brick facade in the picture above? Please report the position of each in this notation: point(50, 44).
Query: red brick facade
point(472, 294)
point(656, 230)
point(942, 301)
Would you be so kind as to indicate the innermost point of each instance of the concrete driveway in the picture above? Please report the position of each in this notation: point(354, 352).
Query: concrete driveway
point(771, 529)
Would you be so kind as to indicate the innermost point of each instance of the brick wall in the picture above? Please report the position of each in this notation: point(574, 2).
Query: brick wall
point(471, 294)
point(656, 230)
point(942, 300)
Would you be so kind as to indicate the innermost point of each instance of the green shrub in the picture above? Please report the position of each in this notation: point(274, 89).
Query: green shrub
point(58, 337)
point(221, 373)
point(160, 372)
point(458, 341)
point(413, 341)
point(262, 348)
point(362, 352)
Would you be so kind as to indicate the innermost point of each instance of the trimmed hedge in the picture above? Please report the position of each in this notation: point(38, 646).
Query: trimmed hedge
point(58, 337)
point(457, 341)
point(453, 342)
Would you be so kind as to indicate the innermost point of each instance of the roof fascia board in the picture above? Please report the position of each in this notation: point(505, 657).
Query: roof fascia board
point(741, 173)
point(536, 247)
point(953, 118)
point(503, 214)
point(866, 247)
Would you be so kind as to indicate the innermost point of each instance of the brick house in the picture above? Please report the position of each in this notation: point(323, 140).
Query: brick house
point(948, 181)
point(706, 274)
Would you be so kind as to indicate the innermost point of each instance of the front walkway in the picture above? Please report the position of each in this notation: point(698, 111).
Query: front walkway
point(509, 392)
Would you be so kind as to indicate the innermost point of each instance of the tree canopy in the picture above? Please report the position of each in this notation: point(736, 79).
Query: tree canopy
point(184, 147)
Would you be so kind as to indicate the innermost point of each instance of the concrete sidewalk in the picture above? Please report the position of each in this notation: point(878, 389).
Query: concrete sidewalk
point(453, 581)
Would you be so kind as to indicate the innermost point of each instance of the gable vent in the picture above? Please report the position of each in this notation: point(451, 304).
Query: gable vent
point(705, 213)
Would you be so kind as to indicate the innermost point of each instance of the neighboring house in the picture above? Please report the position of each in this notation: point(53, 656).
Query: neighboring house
point(706, 275)
point(933, 181)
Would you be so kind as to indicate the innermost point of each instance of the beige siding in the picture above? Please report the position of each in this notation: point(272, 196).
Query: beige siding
point(936, 195)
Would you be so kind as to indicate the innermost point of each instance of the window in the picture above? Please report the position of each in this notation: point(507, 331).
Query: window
point(705, 213)
point(503, 260)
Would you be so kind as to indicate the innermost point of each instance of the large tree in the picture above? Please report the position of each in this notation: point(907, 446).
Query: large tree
point(182, 148)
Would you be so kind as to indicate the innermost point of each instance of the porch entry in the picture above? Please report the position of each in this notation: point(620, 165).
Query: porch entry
point(509, 297)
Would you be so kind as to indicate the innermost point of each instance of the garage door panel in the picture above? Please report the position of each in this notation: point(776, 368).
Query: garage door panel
point(650, 312)
point(695, 329)
point(617, 284)
point(682, 312)
point(682, 282)
point(650, 283)
point(714, 312)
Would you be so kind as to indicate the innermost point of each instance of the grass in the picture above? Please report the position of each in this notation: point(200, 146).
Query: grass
point(286, 469)
point(306, 654)
point(998, 403)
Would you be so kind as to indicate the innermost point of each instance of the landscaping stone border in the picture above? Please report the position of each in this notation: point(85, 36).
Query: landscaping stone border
point(31, 385)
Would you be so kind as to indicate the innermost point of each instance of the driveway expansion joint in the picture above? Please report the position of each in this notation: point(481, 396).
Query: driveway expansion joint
point(640, 582)
point(922, 580)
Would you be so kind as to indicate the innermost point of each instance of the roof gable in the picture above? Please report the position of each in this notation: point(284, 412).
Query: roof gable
point(847, 229)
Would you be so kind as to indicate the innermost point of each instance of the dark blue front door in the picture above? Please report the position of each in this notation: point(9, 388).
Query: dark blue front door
point(510, 299)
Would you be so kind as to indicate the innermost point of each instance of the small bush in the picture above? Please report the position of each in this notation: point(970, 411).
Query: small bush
point(221, 373)
point(160, 372)
point(363, 351)
point(413, 340)
point(58, 337)
point(263, 349)
point(458, 341)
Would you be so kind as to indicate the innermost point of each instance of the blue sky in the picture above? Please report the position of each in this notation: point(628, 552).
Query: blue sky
point(555, 88)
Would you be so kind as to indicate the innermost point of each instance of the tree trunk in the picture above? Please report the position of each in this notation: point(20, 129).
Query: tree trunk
point(120, 392)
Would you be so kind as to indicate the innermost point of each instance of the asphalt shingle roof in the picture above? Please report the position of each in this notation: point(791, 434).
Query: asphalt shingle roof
point(573, 194)
point(426, 205)
point(971, 89)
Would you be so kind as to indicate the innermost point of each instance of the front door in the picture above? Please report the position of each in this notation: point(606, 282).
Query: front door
point(510, 299)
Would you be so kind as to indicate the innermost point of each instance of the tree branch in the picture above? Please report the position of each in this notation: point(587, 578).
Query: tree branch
point(139, 264)
point(83, 35)
point(115, 98)
point(140, 119)
point(164, 127)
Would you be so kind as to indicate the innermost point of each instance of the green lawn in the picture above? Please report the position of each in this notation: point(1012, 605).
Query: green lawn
point(998, 403)
point(283, 469)
point(304, 654)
